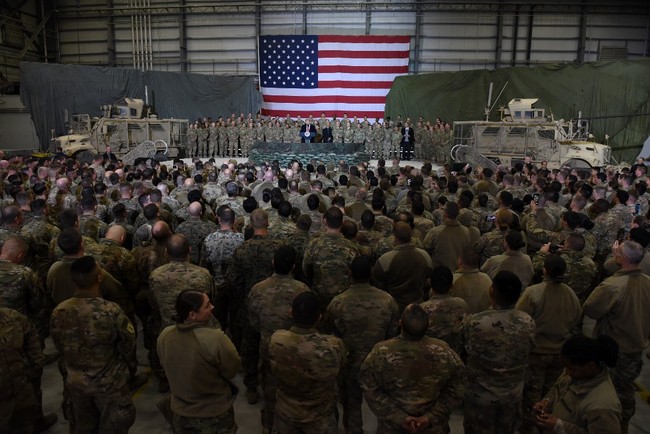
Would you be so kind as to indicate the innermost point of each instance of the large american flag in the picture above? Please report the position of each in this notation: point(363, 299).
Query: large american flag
point(307, 74)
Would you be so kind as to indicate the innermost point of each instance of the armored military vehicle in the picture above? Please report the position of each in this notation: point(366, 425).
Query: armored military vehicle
point(526, 131)
point(128, 128)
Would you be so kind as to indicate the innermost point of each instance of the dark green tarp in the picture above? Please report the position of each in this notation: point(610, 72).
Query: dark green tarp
point(47, 90)
point(614, 96)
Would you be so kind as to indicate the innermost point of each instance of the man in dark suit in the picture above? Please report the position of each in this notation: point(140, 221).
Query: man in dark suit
point(408, 141)
point(307, 132)
point(109, 156)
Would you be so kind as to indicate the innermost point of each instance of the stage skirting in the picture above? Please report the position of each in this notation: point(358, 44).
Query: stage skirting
point(352, 153)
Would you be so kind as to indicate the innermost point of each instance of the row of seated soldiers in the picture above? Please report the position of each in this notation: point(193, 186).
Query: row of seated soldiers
point(137, 208)
point(235, 136)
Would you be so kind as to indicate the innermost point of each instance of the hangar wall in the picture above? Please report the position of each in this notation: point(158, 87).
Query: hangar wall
point(211, 37)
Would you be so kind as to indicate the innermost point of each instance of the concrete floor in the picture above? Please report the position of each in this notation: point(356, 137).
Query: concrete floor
point(150, 421)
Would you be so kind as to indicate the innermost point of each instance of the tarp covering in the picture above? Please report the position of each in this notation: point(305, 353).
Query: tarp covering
point(47, 90)
point(614, 96)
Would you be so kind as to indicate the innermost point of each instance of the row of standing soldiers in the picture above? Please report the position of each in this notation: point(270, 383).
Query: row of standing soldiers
point(236, 138)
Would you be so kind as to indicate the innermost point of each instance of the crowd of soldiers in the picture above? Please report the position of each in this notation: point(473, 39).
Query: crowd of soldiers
point(418, 289)
point(235, 136)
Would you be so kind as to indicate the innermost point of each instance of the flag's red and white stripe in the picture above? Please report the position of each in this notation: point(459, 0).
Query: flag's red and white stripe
point(355, 74)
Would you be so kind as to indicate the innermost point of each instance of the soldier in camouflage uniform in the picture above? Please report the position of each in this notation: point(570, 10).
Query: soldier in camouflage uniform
point(89, 225)
point(213, 140)
point(203, 133)
point(192, 137)
point(581, 271)
point(348, 132)
point(395, 140)
point(216, 255)
point(223, 140)
point(497, 342)
point(269, 304)
point(95, 354)
point(39, 229)
point(169, 280)
point(252, 262)
point(337, 132)
point(289, 134)
point(419, 136)
point(446, 313)
point(361, 316)
point(248, 135)
point(283, 226)
point(195, 230)
point(412, 382)
point(21, 288)
point(327, 259)
point(375, 136)
point(21, 364)
point(306, 365)
point(120, 263)
point(359, 136)
point(233, 140)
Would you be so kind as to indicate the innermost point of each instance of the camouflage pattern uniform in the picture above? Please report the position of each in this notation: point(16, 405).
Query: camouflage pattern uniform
point(223, 141)
point(120, 263)
point(169, 280)
point(337, 134)
point(580, 273)
point(406, 377)
point(306, 365)
point(269, 304)
point(498, 342)
point(203, 142)
point(147, 258)
point(446, 314)
point(490, 244)
point(22, 291)
point(40, 230)
point(196, 230)
point(361, 316)
point(252, 262)
point(213, 141)
point(327, 265)
point(233, 140)
point(248, 135)
point(282, 228)
point(289, 134)
point(192, 137)
point(395, 140)
point(96, 341)
point(21, 364)
point(608, 227)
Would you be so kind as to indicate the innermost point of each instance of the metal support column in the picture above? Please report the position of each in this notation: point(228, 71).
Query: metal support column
point(582, 33)
point(182, 37)
point(110, 37)
point(531, 22)
point(418, 36)
point(499, 44)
